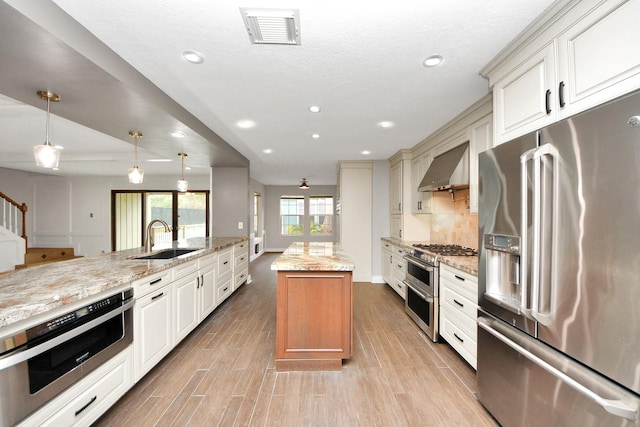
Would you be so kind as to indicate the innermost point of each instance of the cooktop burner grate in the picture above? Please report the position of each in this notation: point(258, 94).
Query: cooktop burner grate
point(447, 250)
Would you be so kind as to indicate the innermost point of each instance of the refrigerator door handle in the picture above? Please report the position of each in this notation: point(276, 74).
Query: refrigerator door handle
point(536, 266)
point(615, 407)
point(525, 159)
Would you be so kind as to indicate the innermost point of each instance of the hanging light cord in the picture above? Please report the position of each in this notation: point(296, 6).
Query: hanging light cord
point(182, 157)
point(135, 152)
point(46, 142)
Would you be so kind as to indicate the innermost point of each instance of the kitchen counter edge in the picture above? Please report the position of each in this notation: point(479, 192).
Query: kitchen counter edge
point(34, 291)
point(468, 264)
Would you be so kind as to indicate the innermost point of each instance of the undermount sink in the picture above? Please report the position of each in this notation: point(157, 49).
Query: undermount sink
point(168, 253)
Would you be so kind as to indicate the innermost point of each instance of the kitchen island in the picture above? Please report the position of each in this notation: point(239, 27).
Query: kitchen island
point(314, 320)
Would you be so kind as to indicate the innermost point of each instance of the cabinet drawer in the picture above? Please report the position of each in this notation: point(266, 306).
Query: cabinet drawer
point(457, 303)
point(185, 268)
point(241, 247)
point(224, 262)
point(399, 286)
point(224, 289)
point(460, 341)
point(111, 381)
point(463, 283)
point(142, 287)
point(240, 261)
point(240, 278)
point(207, 261)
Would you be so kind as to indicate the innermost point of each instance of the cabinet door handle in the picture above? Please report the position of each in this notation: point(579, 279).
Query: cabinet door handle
point(226, 262)
point(79, 411)
point(459, 339)
point(153, 282)
point(400, 233)
point(458, 277)
point(458, 302)
point(561, 94)
point(548, 101)
point(157, 296)
point(225, 289)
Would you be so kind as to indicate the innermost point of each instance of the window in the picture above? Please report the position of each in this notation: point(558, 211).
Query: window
point(291, 215)
point(321, 215)
point(256, 214)
point(131, 211)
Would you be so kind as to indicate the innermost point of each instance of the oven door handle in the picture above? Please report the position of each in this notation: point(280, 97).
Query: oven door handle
point(420, 264)
point(417, 292)
point(23, 353)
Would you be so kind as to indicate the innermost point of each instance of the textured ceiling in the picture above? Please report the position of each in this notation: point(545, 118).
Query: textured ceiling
point(361, 62)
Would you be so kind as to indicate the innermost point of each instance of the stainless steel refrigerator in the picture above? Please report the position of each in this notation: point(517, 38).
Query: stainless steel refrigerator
point(559, 273)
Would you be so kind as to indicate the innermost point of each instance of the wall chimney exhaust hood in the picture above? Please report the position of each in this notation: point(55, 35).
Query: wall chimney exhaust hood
point(448, 171)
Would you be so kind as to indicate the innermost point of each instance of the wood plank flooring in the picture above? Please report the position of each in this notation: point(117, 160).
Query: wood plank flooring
point(223, 374)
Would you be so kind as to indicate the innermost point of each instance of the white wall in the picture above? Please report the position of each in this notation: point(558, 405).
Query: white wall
point(380, 219)
point(356, 195)
point(256, 187)
point(275, 242)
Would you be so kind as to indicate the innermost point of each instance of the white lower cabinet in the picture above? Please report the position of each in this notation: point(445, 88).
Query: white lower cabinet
point(398, 271)
point(458, 311)
point(206, 286)
point(240, 264)
point(224, 280)
point(387, 261)
point(152, 329)
point(88, 399)
point(186, 292)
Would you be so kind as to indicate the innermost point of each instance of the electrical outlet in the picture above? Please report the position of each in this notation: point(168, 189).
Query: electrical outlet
point(240, 225)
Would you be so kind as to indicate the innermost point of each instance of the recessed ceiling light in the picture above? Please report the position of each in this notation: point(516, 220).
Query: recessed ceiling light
point(315, 136)
point(245, 124)
point(432, 61)
point(314, 109)
point(188, 168)
point(385, 124)
point(193, 56)
point(267, 151)
point(177, 134)
point(365, 152)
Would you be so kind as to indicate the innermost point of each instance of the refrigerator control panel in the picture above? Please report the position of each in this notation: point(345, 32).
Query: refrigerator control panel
point(502, 243)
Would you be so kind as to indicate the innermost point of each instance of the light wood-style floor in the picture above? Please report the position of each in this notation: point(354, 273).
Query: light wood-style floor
point(223, 373)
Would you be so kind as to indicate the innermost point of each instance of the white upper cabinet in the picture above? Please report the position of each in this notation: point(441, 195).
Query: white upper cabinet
point(577, 56)
point(396, 188)
point(421, 201)
point(599, 57)
point(523, 98)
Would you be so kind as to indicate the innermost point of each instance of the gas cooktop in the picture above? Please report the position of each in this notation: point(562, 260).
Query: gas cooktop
point(447, 250)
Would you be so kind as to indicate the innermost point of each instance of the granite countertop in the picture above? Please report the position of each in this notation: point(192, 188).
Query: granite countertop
point(313, 256)
point(468, 264)
point(36, 290)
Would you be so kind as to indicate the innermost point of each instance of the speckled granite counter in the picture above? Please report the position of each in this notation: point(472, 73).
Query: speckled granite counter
point(36, 290)
point(313, 256)
point(467, 264)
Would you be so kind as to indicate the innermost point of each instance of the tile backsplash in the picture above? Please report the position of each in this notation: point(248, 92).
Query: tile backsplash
point(452, 222)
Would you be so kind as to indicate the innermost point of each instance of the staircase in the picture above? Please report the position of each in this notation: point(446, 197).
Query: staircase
point(13, 236)
point(36, 256)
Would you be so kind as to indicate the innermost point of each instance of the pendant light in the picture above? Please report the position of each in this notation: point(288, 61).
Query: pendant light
point(304, 184)
point(183, 185)
point(136, 175)
point(47, 156)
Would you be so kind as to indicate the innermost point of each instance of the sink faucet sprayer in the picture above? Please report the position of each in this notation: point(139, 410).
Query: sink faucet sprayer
point(148, 241)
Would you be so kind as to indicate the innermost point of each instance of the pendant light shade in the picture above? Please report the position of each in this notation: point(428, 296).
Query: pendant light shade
point(136, 175)
point(304, 184)
point(47, 156)
point(183, 185)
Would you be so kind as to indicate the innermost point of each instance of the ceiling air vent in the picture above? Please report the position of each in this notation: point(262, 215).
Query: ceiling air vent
point(272, 26)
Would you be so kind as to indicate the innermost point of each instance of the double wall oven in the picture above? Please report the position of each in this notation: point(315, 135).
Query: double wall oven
point(38, 363)
point(423, 283)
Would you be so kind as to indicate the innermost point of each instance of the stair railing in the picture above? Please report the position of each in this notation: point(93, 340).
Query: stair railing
point(13, 216)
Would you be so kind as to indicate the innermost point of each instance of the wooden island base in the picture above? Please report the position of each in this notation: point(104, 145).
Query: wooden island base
point(314, 320)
